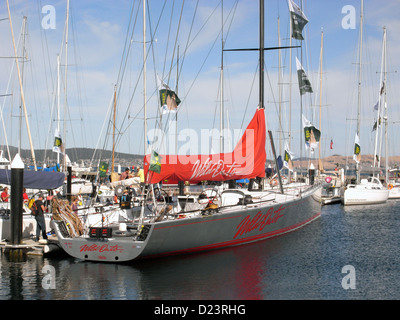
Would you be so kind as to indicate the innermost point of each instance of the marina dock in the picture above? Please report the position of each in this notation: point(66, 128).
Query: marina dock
point(33, 248)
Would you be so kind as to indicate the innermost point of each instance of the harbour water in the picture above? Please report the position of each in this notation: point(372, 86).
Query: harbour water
point(350, 253)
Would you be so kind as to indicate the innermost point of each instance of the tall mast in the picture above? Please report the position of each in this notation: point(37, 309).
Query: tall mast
point(22, 90)
point(65, 87)
point(280, 85)
point(22, 80)
point(222, 82)
point(386, 114)
point(320, 98)
point(359, 83)
point(261, 49)
point(58, 101)
point(144, 76)
point(115, 111)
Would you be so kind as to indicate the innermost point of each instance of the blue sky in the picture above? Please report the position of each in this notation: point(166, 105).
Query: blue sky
point(97, 36)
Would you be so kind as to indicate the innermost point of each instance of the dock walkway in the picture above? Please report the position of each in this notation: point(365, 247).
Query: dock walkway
point(32, 247)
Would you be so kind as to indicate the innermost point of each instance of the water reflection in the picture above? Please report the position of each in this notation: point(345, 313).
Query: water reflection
point(305, 264)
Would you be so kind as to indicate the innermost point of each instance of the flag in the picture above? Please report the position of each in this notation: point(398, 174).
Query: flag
point(299, 20)
point(383, 88)
point(169, 101)
point(331, 144)
point(58, 147)
point(287, 159)
point(103, 169)
point(376, 124)
point(155, 163)
point(376, 107)
point(168, 98)
point(304, 83)
point(312, 134)
point(357, 149)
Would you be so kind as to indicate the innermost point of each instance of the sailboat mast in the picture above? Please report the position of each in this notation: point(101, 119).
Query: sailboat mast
point(65, 88)
point(22, 80)
point(115, 111)
point(22, 89)
point(58, 102)
point(359, 82)
point(222, 82)
point(320, 100)
point(144, 76)
point(280, 86)
point(261, 75)
point(385, 106)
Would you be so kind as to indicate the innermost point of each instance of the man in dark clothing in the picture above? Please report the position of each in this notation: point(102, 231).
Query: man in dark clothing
point(41, 224)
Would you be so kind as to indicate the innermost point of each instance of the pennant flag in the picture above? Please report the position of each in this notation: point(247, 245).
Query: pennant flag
point(376, 107)
point(299, 20)
point(155, 163)
point(376, 124)
point(287, 159)
point(304, 83)
point(357, 149)
point(57, 143)
point(103, 169)
point(312, 134)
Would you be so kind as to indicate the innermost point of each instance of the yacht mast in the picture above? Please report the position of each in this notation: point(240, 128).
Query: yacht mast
point(359, 83)
point(144, 77)
point(22, 90)
point(65, 88)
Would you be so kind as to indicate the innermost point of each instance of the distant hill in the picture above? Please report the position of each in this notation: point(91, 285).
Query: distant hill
point(331, 162)
point(75, 155)
point(86, 155)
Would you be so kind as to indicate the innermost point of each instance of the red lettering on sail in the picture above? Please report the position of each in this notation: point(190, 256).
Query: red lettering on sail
point(259, 221)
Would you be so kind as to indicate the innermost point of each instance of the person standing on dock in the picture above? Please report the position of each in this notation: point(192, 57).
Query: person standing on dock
point(41, 224)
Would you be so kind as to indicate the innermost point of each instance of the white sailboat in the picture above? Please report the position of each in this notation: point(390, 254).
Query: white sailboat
point(371, 190)
point(394, 184)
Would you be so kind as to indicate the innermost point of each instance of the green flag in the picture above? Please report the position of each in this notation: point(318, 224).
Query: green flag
point(312, 134)
point(304, 83)
point(103, 169)
point(169, 101)
point(58, 146)
point(357, 149)
point(287, 159)
point(299, 20)
point(155, 163)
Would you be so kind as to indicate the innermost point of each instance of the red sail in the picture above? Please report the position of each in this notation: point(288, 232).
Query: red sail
point(246, 161)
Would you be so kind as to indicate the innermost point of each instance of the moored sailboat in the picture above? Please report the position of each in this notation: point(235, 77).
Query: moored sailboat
point(212, 220)
point(371, 190)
